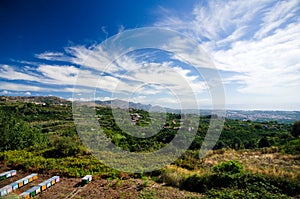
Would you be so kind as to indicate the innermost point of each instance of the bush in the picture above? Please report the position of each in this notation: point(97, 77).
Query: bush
point(241, 193)
point(172, 177)
point(296, 129)
point(264, 142)
point(18, 134)
point(229, 167)
point(197, 183)
point(65, 147)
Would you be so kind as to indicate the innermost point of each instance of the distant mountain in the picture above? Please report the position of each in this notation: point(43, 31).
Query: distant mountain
point(257, 115)
point(36, 99)
point(123, 104)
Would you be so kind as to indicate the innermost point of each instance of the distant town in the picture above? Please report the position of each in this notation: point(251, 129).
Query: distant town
point(252, 115)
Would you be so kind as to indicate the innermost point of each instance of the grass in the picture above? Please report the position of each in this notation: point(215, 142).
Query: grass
point(266, 173)
point(270, 163)
point(67, 166)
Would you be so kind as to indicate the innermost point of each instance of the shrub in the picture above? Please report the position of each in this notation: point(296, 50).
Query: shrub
point(296, 129)
point(65, 147)
point(264, 142)
point(229, 167)
point(240, 193)
point(172, 177)
point(197, 183)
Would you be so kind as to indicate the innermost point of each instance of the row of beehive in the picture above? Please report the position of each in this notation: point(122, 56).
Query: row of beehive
point(40, 187)
point(7, 174)
point(17, 184)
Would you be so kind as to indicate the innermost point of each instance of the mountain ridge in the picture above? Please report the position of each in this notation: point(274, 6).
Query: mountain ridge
point(253, 115)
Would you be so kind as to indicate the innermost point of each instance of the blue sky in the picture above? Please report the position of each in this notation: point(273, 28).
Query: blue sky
point(254, 46)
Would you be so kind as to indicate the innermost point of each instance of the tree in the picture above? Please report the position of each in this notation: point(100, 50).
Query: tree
point(264, 142)
point(220, 145)
point(228, 167)
point(237, 143)
point(65, 147)
point(296, 129)
point(18, 134)
point(251, 144)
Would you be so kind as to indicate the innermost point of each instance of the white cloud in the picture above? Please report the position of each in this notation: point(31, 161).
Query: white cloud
point(5, 92)
point(59, 74)
point(8, 72)
point(269, 63)
point(121, 29)
point(257, 42)
point(82, 99)
point(215, 21)
point(277, 15)
point(53, 56)
point(18, 87)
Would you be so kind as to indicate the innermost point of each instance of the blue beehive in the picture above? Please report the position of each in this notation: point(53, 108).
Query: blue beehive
point(25, 181)
point(3, 191)
point(15, 186)
point(48, 184)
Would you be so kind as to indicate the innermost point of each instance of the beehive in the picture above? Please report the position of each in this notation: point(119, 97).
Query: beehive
point(40, 187)
point(86, 179)
point(8, 174)
point(56, 178)
point(25, 195)
point(17, 184)
point(3, 191)
point(8, 189)
point(26, 181)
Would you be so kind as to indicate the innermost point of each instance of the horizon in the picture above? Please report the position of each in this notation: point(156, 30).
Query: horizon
point(205, 109)
point(251, 47)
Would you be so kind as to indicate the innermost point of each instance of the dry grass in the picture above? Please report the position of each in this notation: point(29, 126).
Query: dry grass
point(268, 162)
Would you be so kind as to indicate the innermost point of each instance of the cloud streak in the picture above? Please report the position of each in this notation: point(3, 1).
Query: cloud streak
point(258, 42)
point(254, 44)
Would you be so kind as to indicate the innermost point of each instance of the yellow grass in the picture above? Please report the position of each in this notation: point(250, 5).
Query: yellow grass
point(270, 163)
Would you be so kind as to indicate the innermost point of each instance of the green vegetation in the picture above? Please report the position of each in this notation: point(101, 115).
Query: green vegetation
point(296, 129)
point(18, 134)
point(230, 180)
point(250, 160)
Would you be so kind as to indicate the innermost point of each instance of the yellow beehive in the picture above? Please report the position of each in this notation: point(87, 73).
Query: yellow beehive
point(20, 184)
point(25, 195)
point(44, 187)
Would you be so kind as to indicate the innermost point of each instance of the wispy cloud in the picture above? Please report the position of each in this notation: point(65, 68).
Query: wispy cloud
point(276, 16)
point(254, 44)
point(257, 41)
point(11, 73)
point(126, 76)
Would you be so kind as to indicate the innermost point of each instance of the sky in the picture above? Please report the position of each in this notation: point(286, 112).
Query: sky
point(79, 50)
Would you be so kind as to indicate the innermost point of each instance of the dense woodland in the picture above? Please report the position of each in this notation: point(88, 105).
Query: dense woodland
point(43, 138)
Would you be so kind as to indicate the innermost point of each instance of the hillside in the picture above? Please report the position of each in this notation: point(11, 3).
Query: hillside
point(251, 159)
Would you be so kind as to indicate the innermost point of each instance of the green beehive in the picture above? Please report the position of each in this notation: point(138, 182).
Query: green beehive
point(86, 179)
point(3, 177)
